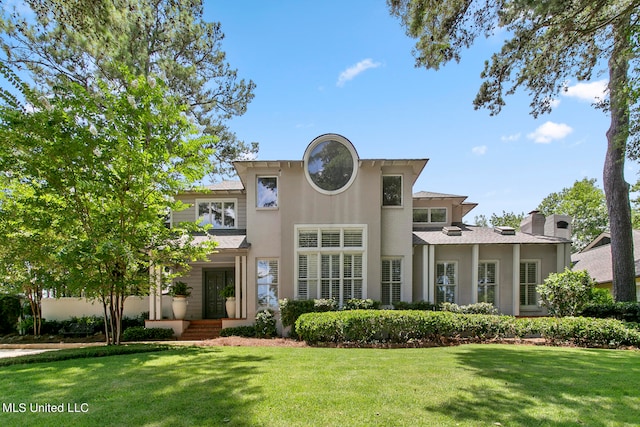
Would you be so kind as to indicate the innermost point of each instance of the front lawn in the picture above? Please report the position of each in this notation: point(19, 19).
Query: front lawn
point(470, 385)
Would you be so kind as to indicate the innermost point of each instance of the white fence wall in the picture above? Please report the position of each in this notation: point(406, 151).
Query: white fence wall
point(65, 308)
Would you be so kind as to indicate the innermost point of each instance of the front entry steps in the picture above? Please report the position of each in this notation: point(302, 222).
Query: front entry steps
point(204, 329)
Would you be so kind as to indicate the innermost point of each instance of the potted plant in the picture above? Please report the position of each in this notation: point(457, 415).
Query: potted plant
point(179, 291)
point(229, 293)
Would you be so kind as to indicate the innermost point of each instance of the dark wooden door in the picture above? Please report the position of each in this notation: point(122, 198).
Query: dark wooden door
point(215, 281)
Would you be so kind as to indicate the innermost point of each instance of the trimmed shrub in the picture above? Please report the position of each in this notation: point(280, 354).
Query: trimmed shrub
point(566, 293)
point(361, 304)
point(400, 326)
point(477, 308)
point(627, 311)
point(140, 333)
point(265, 324)
point(290, 310)
point(239, 331)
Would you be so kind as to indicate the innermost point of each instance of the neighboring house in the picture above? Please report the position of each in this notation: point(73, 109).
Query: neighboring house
point(596, 259)
point(333, 225)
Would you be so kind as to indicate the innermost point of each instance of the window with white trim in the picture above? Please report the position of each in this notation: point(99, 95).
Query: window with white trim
point(267, 192)
point(430, 215)
point(330, 263)
point(391, 280)
point(220, 213)
point(268, 280)
point(392, 190)
point(487, 281)
point(446, 280)
point(529, 279)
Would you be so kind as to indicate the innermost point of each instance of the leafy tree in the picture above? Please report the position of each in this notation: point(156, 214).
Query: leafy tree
point(585, 204)
point(81, 40)
point(566, 293)
point(110, 161)
point(550, 42)
point(509, 219)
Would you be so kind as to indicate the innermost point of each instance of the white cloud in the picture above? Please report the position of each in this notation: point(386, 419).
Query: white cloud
point(549, 132)
point(351, 72)
point(479, 150)
point(510, 138)
point(592, 92)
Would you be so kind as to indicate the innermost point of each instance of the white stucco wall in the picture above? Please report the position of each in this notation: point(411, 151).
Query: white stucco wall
point(65, 308)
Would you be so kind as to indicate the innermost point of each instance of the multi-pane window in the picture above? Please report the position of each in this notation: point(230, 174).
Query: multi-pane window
point(487, 279)
point(528, 282)
point(392, 190)
point(268, 281)
point(219, 213)
point(446, 280)
point(330, 263)
point(391, 280)
point(430, 215)
point(267, 192)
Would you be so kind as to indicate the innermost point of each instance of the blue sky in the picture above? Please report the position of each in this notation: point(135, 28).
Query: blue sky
point(346, 67)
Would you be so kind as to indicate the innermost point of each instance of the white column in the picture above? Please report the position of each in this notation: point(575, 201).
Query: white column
point(475, 255)
point(432, 274)
point(152, 293)
point(244, 286)
point(425, 273)
point(238, 279)
point(516, 280)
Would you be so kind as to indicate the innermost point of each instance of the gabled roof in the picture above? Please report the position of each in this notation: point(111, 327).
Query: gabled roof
point(457, 200)
point(472, 235)
point(596, 257)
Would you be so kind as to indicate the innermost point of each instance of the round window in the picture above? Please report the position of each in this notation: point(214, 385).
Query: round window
point(330, 163)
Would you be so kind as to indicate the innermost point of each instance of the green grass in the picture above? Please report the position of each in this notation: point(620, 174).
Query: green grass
point(83, 353)
point(470, 385)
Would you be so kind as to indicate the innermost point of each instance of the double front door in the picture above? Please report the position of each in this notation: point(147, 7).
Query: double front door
point(215, 280)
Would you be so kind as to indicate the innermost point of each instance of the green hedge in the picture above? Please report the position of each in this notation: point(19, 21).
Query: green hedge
point(398, 326)
point(140, 333)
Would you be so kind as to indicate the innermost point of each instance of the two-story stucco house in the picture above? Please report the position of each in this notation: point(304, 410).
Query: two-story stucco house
point(333, 225)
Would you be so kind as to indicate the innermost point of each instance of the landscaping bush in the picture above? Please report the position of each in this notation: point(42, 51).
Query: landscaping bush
point(627, 311)
point(361, 304)
point(419, 305)
point(477, 308)
point(265, 324)
point(566, 293)
point(140, 333)
point(9, 313)
point(290, 310)
point(239, 331)
point(400, 326)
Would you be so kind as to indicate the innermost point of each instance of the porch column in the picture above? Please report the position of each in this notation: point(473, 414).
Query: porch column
point(244, 288)
point(516, 280)
point(425, 273)
point(561, 257)
point(475, 255)
point(432, 274)
point(239, 293)
point(155, 293)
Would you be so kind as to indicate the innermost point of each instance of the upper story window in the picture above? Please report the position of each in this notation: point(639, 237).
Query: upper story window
point(430, 215)
point(330, 163)
point(220, 213)
point(267, 192)
point(392, 190)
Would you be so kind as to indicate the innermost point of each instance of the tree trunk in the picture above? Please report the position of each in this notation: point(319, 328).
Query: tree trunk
point(615, 186)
